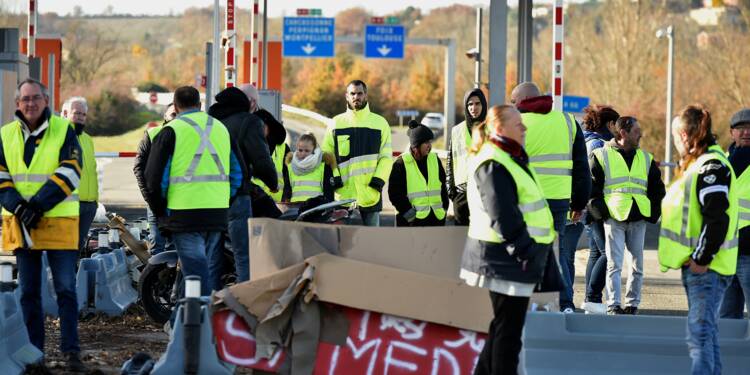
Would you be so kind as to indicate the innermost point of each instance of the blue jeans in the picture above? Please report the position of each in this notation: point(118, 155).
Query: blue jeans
point(158, 242)
point(30, 273)
point(737, 296)
point(87, 211)
point(704, 294)
point(559, 209)
point(371, 219)
point(200, 255)
point(239, 212)
point(596, 268)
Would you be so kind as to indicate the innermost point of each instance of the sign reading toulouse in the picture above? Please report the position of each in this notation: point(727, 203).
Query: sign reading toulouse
point(384, 41)
point(308, 37)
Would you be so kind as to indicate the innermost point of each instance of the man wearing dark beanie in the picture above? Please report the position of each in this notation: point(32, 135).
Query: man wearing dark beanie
point(416, 186)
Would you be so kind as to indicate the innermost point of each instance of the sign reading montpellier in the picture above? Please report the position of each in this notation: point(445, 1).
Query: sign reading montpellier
point(308, 37)
point(384, 41)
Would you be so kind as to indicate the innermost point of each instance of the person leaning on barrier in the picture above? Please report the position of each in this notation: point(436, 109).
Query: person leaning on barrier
point(475, 111)
point(416, 186)
point(626, 193)
point(361, 141)
point(75, 110)
point(158, 243)
point(699, 231)
point(40, 169)
point(191, 174)
point(737, 296)
point(557, 151)
point(510, 234)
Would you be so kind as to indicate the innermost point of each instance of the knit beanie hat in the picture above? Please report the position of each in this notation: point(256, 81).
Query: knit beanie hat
point(418, 134)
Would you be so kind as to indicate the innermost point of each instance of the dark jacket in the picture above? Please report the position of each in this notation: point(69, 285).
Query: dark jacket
point(519, 258)
point(157, 183)
point(246, 131)
point(595, 140)
point(655, 190)
point(139, 165)
point(469, 122)
point(713, 183)
point(740, 159)
point(397, 194)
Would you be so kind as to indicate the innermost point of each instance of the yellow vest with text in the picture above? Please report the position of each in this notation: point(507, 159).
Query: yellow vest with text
point(361, 142)
point(88, 190)
point(460, 144)
point(423, 195)
point(743, 192)
point(682, 220)
point(622, 186)
point(549, 144)
point(308, 185)
point(277, 155)
point(531, 201)
point(199, 172)
point(58, 228)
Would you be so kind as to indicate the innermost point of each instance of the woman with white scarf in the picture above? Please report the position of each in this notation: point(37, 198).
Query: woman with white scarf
point(313, 175)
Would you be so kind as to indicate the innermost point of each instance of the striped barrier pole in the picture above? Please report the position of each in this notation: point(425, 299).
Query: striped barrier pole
point(229, 72)
point(557, 55)
point(31, 40)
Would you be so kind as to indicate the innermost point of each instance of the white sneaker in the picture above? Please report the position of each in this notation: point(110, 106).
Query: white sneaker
point(568, 310)
point(594, 308)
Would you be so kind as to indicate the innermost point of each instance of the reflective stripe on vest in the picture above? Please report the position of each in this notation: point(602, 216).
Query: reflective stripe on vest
point(89, 185)
point(531, 201)
point(682, 220)
point(27, 180)
point(277, 156)
point(743, 192)
point(460, 144)
point(424, 195)
point(549, 143)
point(195, 180)
point(623, 185)
point(307, 186)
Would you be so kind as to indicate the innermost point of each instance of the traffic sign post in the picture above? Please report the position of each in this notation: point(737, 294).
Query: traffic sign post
point(384, 41)
point(308, 37)
point(401, 113)
point(575, 104)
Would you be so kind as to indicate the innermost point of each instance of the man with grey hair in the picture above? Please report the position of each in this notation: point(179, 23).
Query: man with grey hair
point(39, 173)
point(75, 110)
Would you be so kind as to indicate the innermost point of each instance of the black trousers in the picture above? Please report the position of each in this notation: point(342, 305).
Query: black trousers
point(503, 345)
point(461, 209)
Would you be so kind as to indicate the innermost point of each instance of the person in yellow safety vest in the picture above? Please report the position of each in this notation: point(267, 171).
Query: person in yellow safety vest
point(40, 170)
point(699, 231)
point(275, 137)
point(416, 187)
point(475, 111)
point(557, 151)
point(157, 242)
point(626, 193)
point(313, 175)
point(191, 174)
point(361, 141)
point(737, 296)
point(75, 110)
point(510, 234)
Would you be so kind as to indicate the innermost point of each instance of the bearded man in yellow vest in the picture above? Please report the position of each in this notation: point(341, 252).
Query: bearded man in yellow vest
point(626, 193)
point(416, 187)
point(40, 170)
point(191, 174)
point(699, 231)
point(557, 152)
point(75, 110)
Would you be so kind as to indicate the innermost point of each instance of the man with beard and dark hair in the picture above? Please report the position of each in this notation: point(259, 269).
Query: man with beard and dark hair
point(475, 110)
point(233, 108)
point(361, 142)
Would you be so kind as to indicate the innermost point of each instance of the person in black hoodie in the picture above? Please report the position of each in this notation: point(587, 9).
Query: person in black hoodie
point(420, 140)
point(475, 111)
point(265, 199)
point(232, 108)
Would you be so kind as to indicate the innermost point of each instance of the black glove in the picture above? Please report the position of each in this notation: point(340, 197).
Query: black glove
point(29, 214)
point(377, 184)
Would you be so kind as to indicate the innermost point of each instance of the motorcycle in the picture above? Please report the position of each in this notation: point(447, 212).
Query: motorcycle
point(160, 285)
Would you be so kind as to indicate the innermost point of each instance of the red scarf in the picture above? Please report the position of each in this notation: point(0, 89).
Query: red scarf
point(537, 104)
point(510, 146)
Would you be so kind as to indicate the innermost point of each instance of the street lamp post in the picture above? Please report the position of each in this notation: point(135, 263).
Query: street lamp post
point(668, 32)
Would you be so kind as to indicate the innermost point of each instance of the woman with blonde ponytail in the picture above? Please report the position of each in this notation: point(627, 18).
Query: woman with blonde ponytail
point(699, 231)
point(510, 233)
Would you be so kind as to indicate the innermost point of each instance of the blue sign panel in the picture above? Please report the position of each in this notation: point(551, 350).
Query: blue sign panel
point(384, 41)
point(407, 113)
point(575, 104)
point(308, 37)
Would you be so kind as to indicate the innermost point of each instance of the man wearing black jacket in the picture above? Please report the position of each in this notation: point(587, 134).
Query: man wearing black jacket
point(625, 206)
point(232, 108)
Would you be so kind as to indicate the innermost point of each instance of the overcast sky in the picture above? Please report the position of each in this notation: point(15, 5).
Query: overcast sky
point(276, 7)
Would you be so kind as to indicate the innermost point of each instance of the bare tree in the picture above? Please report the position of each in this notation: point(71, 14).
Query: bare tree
point(88, 49)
